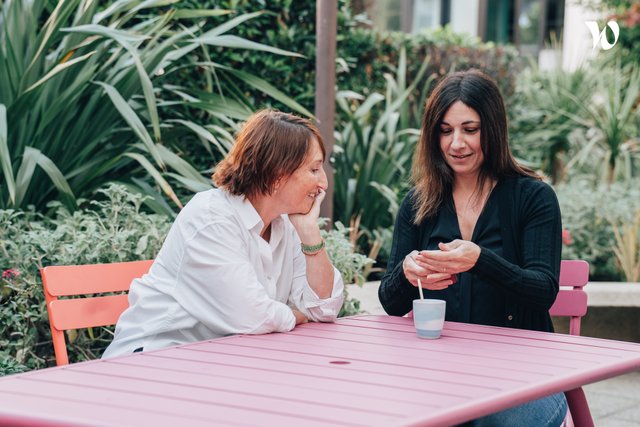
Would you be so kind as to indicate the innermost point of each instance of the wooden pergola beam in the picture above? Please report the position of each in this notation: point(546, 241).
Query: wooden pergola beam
point(325, 106)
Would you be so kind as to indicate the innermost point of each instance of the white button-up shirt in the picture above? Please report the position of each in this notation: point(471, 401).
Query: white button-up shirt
point(216, 276)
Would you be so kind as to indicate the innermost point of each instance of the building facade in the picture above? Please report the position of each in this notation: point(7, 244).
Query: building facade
point(552, 31)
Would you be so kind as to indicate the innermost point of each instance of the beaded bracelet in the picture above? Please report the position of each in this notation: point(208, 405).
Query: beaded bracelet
point(312, 249)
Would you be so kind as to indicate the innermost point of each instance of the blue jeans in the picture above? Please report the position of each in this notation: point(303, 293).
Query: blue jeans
point(549, 411)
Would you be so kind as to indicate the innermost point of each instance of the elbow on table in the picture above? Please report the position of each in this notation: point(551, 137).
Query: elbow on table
point(393, 307)
point(326, 313)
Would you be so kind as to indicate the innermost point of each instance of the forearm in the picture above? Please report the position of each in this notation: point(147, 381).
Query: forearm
point(395, 292)
point(534, 283)
point(319, 270)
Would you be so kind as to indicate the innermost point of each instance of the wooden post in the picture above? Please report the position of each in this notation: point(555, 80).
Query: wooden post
point(326, 24)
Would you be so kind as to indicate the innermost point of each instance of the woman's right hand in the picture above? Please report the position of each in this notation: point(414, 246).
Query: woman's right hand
point(432, 280)
point(300, 317)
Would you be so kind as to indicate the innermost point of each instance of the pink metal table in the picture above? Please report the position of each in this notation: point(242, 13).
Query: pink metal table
point(359, 371)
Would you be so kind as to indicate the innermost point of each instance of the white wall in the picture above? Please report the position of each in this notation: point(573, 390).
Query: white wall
point(577, 44)
point(464, 16)
point(426, 14)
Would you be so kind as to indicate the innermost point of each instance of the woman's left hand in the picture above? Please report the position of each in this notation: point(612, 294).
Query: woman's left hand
point(452, 258)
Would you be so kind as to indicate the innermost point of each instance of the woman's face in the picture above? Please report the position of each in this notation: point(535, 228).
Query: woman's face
point(460, 139)
point(298, 192)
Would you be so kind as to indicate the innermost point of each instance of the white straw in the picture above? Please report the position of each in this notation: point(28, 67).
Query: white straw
point(420, 289)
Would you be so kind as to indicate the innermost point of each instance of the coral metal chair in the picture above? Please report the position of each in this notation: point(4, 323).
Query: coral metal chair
point(572, 301)
point(81, 280)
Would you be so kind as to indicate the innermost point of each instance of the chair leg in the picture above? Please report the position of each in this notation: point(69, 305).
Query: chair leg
point(568, 421)
point(579, 408)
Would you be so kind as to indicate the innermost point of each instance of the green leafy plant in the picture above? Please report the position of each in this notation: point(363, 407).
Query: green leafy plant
point(89, 94)
point(351, 264)
point(589, 208)
point(110, 228)
point(373, 153)
point(611, 112)
point(539, 129)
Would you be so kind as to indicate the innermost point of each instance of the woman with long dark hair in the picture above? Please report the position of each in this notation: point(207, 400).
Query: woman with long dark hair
point(477, 230)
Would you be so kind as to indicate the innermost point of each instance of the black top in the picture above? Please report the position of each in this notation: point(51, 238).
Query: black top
point(471, 299)
point(514, 281)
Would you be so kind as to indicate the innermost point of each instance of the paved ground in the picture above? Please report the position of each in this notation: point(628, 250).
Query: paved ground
point(613, 403)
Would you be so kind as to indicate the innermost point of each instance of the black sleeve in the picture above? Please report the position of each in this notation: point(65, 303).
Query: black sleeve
point(396, 293)
point(535, 282)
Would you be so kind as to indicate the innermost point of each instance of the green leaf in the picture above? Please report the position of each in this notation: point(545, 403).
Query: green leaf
point(182, 166)
point(156, 176)
point(59, 68)
point(223, 28)
point(240, 43)
point(5, 156)
point(200, 13)
point(368, 104)
point(190, 184)
point(149, 96)
point(270, 90)
point(203, 133)
point(132, 119)
point(124, 38)
point(30, 159)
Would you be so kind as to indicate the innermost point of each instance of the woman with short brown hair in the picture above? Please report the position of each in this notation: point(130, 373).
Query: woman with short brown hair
point(246, 257)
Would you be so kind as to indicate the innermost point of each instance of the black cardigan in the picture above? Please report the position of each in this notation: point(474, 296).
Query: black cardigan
point(528, 274)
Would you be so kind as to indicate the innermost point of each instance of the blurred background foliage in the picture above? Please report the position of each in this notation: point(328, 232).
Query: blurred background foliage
point(149, 95)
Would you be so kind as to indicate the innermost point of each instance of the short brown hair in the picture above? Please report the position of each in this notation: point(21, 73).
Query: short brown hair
point(271, 145)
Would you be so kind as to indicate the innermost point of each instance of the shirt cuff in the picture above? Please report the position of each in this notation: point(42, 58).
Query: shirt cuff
point(324, 310)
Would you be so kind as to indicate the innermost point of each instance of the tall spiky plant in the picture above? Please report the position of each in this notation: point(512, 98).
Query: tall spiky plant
point(89, 97)
point(612, 111)
point(373, 152)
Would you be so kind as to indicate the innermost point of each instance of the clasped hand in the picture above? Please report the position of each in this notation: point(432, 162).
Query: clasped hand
point(436, 268)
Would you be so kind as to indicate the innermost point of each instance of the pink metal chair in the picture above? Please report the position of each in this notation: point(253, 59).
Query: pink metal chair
point(572, 301)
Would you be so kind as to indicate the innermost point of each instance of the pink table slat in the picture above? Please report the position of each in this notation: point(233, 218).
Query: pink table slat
point(359, 371)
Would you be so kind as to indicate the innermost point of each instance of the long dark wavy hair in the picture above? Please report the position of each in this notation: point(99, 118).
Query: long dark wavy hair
point(430, 173)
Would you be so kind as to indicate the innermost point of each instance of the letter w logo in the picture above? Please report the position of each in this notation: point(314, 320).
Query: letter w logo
point(601, 36)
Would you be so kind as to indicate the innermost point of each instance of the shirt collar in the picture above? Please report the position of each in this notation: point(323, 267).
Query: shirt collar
point(246, 212)
point(250, 217)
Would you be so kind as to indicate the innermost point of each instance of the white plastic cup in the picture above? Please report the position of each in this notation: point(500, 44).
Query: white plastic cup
point(428, 317)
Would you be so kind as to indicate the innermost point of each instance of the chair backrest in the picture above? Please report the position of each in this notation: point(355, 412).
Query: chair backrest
point(572, 299)
point(86, 280)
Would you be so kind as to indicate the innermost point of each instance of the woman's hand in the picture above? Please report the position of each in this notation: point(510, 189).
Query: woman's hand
point(304, 222)
point(415, 269)
point(452, 258)
point(300, 318)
